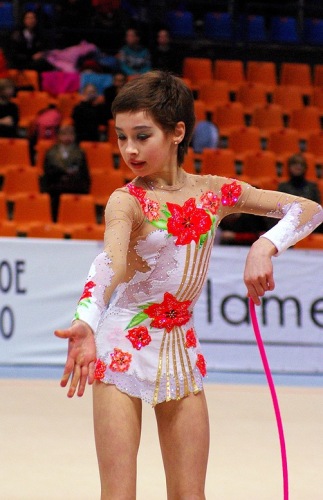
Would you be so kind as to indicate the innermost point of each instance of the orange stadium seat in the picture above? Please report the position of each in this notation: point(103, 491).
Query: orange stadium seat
point(99, 155)
point(228, 117)
point(218, 162)
point(66, 103)
point(214, 93)
point(24, 77)
point(14, 152)
point(315, 146)
point(312, 242)
point(318, 75)
point(3, 207)
point(29, 104)
point(306, 121)
point(88, 232)
point(41, 149)
point(298, 74)
point(262, 72)
point(8, 228)
point(289, 97)
point(103, 183)
point(30, 208)
point(317, 99)
point(284, 142)
point(251, 95)
point(45, 230)
point(268, 118)
point(244, 140)
point(231, 71)
point(197, 69)
point(200, 109)
point(75, 210)
point(20, 180)
point(260, 169)
point(189, 161)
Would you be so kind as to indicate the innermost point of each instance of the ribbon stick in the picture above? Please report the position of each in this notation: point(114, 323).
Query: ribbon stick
point(273, 395)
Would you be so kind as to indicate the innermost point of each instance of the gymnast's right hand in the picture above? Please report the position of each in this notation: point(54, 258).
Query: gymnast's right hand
point(81, 355)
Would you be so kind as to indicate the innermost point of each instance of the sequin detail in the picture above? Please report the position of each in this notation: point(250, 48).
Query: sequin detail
point(201, 364)
point(210, 201)
point(190, 338)
point(100, 369)
point(120, 360)
point(139, 337)
point(230, 193)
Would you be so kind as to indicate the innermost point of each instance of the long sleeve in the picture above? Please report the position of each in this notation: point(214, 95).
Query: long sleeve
point(109, 268)
point(299, 216)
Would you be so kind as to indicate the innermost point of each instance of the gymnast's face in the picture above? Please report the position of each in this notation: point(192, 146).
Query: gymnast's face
point(145, 147)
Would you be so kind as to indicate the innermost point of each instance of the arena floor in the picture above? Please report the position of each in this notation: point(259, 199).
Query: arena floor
point(47, 446)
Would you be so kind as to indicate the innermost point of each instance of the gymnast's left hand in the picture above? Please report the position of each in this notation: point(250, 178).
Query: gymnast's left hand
point(258, 273)
point(81, 355)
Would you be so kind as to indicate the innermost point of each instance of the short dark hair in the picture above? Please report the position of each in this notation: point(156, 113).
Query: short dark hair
point(163, 96)
point(297, 158)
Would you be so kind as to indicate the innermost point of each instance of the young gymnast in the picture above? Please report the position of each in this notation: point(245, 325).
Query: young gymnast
point(133, 334)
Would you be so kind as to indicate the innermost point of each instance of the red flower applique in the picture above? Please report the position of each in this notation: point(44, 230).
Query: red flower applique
point(100, 368)
point(149, 207)
point(87, 292)
point(210, 201)
point(120, 360)
point(188, 222)
point(190, 338)
point(138, 192)
point(169, 313)
point(230, 193)
point(201, 364)
point(139, 337)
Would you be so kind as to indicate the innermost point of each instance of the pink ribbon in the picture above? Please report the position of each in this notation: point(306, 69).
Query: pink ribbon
point(273, 395)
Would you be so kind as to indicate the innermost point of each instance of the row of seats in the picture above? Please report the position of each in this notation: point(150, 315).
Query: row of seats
point(32, 217)
point(241, 141)
point(235, 71)
point(259, 167)
point(221, 26)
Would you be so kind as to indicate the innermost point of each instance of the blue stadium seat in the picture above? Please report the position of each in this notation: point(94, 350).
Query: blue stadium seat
point(180, 23)
point(218, 25)
point(256, 28)
point(284, 30)
point(6, 16)
point(313, 31)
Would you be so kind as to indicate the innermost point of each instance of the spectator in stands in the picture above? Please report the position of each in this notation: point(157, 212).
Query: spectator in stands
point(109, 93)
point(87, 114)
point(133, 57)
point(205, 135)
point(297, 184)
point(9, 113)
point(27, 45)
point(164, 56)
point(65, 168)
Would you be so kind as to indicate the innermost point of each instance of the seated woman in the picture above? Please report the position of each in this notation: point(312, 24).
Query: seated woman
point(65, 168)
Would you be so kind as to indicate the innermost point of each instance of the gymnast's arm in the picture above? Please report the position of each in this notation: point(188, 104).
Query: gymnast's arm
point(298, 218)
point(107, 271)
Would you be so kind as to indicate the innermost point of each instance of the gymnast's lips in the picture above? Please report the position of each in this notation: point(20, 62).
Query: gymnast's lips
point(137, 164)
